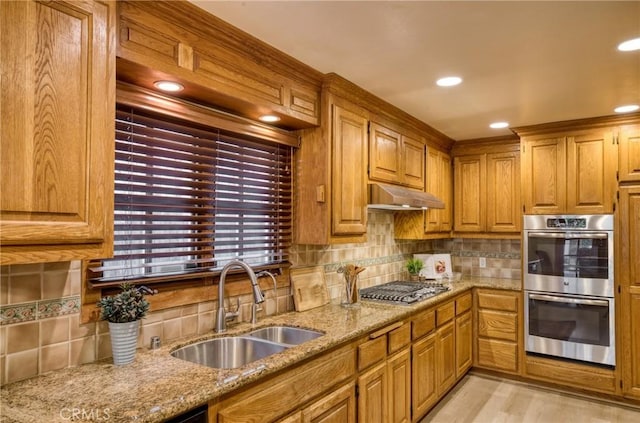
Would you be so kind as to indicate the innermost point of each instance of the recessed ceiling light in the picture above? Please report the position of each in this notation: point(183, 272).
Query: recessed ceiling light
point(269, 118)
point(630, 45)
point(449, 81)
point(169, 86)
point(499, 125)
point(627, 108)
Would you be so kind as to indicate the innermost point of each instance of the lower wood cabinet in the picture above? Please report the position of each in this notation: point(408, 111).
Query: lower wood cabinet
point(337, 407)
point(384, 389)
point(423, 365)
point(446, 357)
point(399, 370)
point(499, 330)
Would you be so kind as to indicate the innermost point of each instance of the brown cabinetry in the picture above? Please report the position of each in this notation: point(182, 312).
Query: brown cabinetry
point(572, 172)
point(58, 102)
point(442, 351)
point(395, 157)
point(385, 384)
point(327, 377)
point(629, 153)
point(439, 183)
point(628, 276)
point(331, 166)
point(498, 342)
point(432, 223)
point(217, 63)
point(487, 187)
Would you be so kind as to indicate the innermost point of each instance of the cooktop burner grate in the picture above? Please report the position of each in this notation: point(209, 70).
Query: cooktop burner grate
point(403, 292)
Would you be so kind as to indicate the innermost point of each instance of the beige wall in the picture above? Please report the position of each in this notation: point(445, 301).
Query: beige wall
point(40, 329)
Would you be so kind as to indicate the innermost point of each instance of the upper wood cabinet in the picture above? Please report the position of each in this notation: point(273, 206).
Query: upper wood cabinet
point(395, 158)
point(628, 140)
point(432, 223)
point(487, 186)
point(571, 172)
point(349, 184)
point(331, 175)
point(57, 136)
point(217, 63)
point(439, 183)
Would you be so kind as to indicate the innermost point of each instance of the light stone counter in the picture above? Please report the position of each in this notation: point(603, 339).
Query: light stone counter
point(157, 386)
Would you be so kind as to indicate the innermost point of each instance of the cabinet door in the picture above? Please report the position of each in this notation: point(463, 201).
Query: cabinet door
point(543, 176)
point(446, 189)
point(464, 343)
point(470, 193)
point(434, 185)
point(629, 153)
point(629, 278)
point(373, 394)
point(337, 407)
point(349, 184)
point(445, 357)
point(399, 375)
point(503, 192)
point(57, 130)
point(423, 380)
point(385, 153)
point(592, 161)
point(412, 163)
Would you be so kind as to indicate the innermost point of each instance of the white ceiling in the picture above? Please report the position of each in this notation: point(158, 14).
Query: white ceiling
point(522, 62)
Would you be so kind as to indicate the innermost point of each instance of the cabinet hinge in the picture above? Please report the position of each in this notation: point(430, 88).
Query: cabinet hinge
point(524, 208)
point(621, 384)
point(357, 391)
point(368, 127)
point(619, 289)
point(617, 175)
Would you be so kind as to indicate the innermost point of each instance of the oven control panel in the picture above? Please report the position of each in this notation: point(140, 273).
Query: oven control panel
point(569, 223)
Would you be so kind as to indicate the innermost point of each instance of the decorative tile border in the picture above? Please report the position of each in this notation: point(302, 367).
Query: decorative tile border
point(17, 313)
point(376, 261)
point(25, 312)
point(58, 307)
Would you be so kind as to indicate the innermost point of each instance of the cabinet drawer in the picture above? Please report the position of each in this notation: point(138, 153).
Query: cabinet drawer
point(445, 313)
point(496, 354)
point(507, 301)
point(372, 352)
point(423, 324)
point(463, 303)
point(399, 338)
point(498, 324)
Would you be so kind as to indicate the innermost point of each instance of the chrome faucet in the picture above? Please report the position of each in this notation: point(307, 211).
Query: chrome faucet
point(221, 323)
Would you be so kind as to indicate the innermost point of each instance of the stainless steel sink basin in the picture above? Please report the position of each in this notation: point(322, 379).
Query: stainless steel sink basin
point(286, 334)
point(228, 352)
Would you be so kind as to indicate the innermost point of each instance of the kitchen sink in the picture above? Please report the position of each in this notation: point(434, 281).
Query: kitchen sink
point(228, 352)
point(287, 335)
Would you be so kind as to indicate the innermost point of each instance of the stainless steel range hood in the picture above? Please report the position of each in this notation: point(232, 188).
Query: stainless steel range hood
point(394, 197)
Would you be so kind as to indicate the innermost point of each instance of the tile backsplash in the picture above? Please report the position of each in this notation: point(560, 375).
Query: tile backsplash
point(40, 327)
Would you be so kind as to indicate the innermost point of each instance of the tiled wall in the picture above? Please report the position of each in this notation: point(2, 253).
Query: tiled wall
point(40, 326)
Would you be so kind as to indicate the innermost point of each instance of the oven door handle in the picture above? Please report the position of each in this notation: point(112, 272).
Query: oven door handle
point(555, 299)
point(598, 235)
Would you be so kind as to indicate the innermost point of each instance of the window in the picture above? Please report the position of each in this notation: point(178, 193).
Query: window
point(190, 197)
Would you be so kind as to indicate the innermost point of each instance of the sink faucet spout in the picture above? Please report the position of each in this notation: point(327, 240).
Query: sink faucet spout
point(221, 322)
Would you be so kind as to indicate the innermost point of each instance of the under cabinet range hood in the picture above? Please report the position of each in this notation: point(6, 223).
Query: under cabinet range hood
point(397, 198)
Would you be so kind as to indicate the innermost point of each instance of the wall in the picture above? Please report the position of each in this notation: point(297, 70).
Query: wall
point(40, 328)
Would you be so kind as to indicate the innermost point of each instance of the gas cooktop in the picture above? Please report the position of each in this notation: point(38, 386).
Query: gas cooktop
point(403, 292)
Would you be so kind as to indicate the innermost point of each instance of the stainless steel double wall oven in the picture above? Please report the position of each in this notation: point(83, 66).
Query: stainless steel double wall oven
point(569, 287)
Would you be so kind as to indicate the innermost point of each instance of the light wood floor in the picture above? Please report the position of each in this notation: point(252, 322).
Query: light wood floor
point(484, 399)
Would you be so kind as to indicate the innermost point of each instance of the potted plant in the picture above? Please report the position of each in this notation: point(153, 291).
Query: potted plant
point(123, 312)
point(414, 266)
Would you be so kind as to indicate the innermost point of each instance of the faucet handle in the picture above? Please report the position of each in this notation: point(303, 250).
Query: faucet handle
point(229, 315)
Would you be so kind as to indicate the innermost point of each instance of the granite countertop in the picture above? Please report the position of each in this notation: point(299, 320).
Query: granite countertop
point(158, 386)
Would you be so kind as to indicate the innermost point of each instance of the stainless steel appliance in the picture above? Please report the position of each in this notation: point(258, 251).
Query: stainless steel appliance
point(403, 292)
point(569, 287)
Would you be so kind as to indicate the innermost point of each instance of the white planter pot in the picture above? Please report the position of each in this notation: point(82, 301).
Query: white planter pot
point(124, 340)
